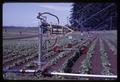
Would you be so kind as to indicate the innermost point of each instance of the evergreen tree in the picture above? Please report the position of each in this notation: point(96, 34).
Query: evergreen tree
point(93, 16)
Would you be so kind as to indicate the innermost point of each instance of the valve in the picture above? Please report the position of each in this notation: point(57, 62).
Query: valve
point(46, 72)
point(56, 49)
point(69, 45)
point(83, 49)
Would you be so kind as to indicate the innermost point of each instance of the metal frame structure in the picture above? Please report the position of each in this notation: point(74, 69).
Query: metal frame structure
point(79, 75)
point(43, 25)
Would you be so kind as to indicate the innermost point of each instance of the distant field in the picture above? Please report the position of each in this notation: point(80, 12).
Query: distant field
point(22, 29)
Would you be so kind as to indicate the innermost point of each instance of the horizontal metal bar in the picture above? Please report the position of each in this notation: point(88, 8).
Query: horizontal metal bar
point(84, 75)
point(69, 49)
point(19, 71)
point(31, 71)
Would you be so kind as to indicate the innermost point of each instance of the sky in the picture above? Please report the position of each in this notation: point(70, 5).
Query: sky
point(24, 14)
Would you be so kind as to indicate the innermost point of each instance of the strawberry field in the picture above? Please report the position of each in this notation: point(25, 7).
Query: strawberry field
point(93, 53)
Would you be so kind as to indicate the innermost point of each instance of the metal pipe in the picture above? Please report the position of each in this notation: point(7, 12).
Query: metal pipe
point(40, 14)
point(40, 46)
point(20, 71)
point(70, 49)
point(84, 75)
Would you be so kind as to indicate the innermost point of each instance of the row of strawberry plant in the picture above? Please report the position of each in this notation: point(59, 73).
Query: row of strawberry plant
point(111, 46)
point(19, 54)
point(22, 60)
point(23, 55)
point(104, 58)
point(86, 64)
point(66, 66)
point(16, 50)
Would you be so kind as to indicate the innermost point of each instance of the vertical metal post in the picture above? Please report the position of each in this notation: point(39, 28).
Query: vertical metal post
point(62, 31)
point(50, 28)
point(40, 46)
point(47, 43)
